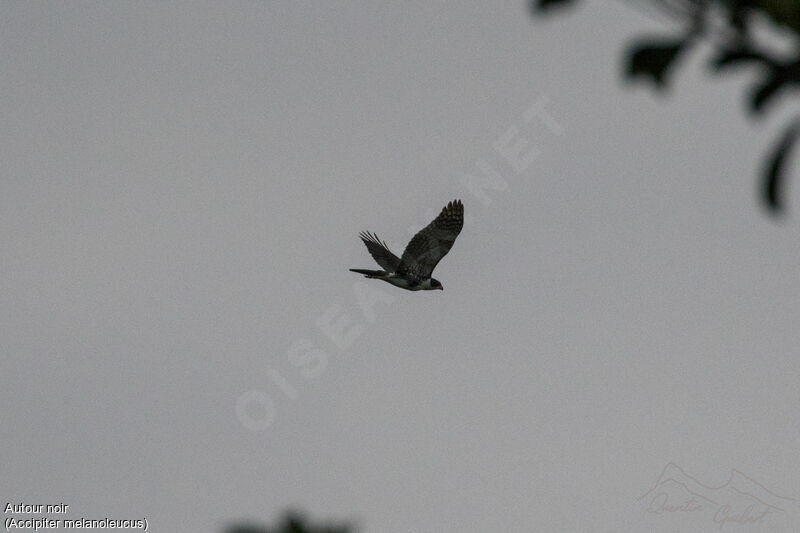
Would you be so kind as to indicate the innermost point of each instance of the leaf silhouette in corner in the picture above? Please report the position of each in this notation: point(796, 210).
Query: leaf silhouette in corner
point(293, 522)
point(764, 92)
point(540, 6)
point(776, 168)
point(652, 60)
point(741, 55)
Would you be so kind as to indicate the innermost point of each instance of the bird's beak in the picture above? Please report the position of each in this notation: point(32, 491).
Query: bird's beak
point(441, 288)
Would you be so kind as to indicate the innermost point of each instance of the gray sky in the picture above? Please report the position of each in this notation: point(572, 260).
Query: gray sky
point(183, 186)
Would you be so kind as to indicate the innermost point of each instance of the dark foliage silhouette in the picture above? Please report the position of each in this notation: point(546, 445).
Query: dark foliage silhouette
point(652, 60)
point(293, 522)
point(727, 26)
point(775, 164)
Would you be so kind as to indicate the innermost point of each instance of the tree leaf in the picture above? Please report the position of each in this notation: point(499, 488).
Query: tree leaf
point(733, 57)
point(767, 90)
point(652, 60)
point(772, 186)
point(546, 5)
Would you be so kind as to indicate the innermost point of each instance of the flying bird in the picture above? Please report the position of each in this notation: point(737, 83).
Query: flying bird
point(413, 271)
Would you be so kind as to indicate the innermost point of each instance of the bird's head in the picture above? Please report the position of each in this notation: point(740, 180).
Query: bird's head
point(436, 285)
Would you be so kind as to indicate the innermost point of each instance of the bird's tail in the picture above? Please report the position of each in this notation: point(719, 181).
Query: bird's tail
point(369, 273)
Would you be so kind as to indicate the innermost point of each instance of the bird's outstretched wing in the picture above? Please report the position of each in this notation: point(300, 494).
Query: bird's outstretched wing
point(433, 242)
point(380, 252)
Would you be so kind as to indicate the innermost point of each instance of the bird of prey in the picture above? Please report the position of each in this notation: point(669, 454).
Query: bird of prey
point(413, 271)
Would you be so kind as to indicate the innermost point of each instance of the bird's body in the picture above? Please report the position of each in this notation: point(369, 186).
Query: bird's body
point(413, 270)
point(399, 280)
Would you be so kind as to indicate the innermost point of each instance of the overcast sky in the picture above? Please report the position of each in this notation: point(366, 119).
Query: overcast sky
point(182, 189)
